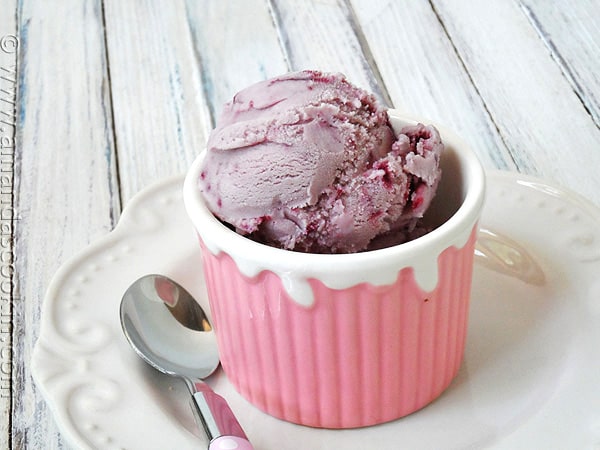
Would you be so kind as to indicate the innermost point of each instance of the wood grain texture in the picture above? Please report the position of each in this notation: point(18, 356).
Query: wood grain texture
point(66, 192)
point(326, 37)
point(537, 113)
point(424, 75)
point(236, 44)
point(517, 79)
point(161, 120)
point(8, 87)
point(571, 33)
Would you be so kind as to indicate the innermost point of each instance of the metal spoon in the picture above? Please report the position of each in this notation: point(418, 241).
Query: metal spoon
point(170, 331)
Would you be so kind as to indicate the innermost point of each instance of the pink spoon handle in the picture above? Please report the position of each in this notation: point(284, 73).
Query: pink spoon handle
point(218, 420)
point(230, 443)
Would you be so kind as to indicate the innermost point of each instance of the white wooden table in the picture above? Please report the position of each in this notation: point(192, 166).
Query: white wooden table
point(100, 98)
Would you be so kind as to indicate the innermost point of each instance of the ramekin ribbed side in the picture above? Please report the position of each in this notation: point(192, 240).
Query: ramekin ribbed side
point(358, 356)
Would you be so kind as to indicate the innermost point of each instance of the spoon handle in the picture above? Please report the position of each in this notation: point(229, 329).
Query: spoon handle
point(217, 418)
point(230, 442)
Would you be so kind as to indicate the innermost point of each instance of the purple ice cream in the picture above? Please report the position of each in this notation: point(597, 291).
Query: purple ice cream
point(308, 162)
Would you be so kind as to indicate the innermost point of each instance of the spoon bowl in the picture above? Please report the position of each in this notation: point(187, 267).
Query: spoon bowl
point(169, 330)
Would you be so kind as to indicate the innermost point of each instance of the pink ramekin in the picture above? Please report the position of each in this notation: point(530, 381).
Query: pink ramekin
point(342, 341)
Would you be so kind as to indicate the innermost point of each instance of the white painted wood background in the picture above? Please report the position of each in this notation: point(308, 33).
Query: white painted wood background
point(114, 95)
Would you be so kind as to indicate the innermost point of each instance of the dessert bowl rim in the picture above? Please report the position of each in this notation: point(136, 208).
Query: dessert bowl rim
point(455, 231)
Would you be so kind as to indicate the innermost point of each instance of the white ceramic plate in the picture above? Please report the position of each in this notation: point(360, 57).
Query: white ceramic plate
point(530, 378)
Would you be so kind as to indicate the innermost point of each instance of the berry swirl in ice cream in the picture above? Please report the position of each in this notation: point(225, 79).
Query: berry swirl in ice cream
point(308, 162)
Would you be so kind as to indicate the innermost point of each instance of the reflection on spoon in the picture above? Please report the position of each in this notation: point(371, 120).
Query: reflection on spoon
point(501, 254)
point(169, 330)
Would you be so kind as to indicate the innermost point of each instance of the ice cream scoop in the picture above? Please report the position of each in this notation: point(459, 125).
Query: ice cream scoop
point(306, 161)
point(168, 329)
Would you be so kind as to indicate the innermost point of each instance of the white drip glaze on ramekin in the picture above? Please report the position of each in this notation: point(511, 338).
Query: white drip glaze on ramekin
point(377, 267)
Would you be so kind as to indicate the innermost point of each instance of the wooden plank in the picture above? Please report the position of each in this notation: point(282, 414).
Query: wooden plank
point(545, 126)
point(66, 193)
point(403, 69)
point(161, 120)
point(9, 47)
point(571, 33)
point(424, 75)
point(325, 36)
point(236, 45)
